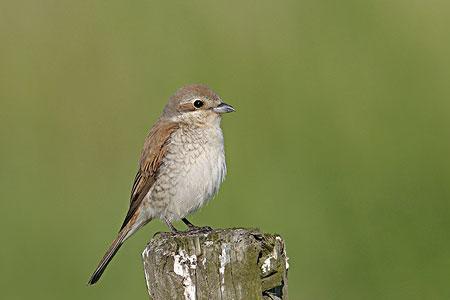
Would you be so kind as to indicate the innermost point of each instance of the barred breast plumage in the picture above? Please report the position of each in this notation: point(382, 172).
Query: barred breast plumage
point(191, 172)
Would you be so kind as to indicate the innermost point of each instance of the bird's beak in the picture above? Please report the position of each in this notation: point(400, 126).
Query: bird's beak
point(223, 108)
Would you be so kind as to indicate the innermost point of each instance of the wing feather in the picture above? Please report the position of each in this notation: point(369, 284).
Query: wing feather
point(155, 148)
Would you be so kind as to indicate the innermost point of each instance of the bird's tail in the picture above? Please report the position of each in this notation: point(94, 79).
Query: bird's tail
point(112, 250)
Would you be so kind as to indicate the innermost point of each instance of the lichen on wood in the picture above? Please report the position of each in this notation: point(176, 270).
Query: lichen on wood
point(219, 264)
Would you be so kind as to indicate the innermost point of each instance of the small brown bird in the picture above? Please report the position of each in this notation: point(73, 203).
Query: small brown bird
point(182, 165)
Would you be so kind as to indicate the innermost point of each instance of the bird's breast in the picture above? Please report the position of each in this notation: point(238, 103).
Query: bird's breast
point(192, 170)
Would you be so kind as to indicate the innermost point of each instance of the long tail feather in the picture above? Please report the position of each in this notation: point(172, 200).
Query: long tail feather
point(112, 250)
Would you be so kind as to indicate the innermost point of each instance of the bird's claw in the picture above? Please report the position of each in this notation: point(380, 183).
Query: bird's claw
point(197, 229)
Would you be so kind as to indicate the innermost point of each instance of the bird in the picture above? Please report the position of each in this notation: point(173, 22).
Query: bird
point(181, 167)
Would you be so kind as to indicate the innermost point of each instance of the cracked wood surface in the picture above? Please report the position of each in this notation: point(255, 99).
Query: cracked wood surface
point(220, 264)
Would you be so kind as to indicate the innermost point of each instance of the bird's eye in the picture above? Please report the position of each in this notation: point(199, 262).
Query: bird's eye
point(198, 103)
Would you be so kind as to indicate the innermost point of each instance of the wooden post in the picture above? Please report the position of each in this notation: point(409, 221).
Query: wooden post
point(220, 264)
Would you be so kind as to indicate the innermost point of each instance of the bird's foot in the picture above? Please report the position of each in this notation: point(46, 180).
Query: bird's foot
point(197, 229)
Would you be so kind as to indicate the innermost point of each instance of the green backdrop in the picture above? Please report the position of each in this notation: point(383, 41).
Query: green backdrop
point(340, 142)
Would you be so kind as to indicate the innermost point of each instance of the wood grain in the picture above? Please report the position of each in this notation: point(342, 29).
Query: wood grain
point(221, 264)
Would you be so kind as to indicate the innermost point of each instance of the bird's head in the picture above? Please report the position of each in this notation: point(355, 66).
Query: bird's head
point(195, 103)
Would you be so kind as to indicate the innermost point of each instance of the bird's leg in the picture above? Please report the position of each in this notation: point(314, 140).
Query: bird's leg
point(172, 228)
point(189, 224)
point(192, 227)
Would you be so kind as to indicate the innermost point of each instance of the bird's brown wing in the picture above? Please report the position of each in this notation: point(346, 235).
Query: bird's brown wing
point(155, 148)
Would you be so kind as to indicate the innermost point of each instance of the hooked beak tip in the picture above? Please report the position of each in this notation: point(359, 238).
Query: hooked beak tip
point(223, 108)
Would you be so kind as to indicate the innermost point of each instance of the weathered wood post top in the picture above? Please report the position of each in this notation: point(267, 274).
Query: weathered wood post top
point(218, 264)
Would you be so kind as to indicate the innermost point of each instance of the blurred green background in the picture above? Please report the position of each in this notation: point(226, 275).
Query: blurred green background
point(340, 142)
